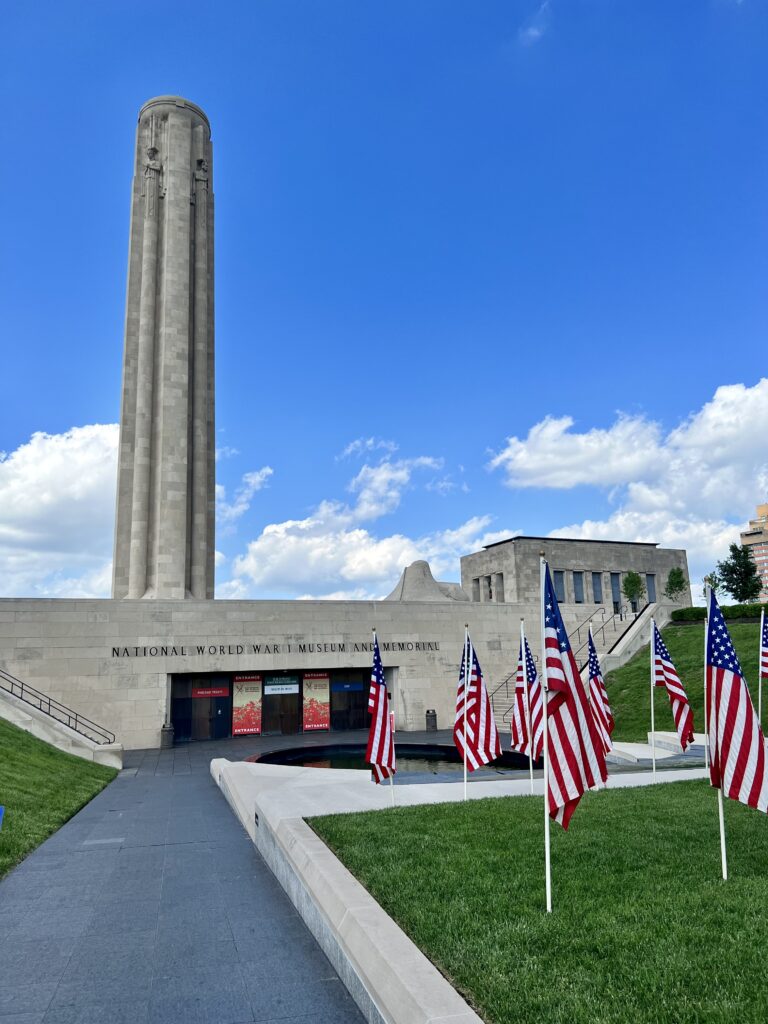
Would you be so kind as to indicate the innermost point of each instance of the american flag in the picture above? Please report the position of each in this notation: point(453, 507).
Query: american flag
point(598, 698)
point(763, 646)
point(576, 757)
point(380, 752)
point(737, 761)
point(520, 737)
point(665, 674)
point(482, 736)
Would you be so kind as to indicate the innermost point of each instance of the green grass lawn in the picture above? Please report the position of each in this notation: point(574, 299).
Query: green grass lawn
point(643, 930)
point(629, 686)
point(41, 788)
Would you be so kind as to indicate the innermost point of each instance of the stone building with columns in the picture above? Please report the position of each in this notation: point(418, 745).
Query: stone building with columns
point(162, 661)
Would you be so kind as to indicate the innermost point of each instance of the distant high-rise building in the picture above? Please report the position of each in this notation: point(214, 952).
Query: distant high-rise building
point(756, 539)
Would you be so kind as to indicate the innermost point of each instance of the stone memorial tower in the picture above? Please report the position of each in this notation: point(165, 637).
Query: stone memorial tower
point(164, 532)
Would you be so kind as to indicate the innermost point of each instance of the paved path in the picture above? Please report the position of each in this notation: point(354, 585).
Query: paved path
point(152, 905)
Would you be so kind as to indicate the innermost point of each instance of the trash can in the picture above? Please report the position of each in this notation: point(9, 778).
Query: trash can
point(431, 720)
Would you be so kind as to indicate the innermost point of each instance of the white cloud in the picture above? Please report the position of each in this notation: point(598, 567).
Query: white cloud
point(532, 30)
point(57, 503)
point(365, 445)
point(226, 452)
point(693, 487)
point(379, 488)
point(228, 512)
point(552, 455)
point(326, 555)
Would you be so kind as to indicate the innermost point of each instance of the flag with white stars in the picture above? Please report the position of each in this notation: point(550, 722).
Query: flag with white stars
point(665, 674)
point(763, 646)
point(598, 698)
point(482, 736)
point(528, 707)
point(737, 755)
point(576, 755)
point(380, 752)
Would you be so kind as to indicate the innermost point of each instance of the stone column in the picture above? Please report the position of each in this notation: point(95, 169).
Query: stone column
point(164, 532)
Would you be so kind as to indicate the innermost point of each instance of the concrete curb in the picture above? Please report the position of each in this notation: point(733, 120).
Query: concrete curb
point(389, 978)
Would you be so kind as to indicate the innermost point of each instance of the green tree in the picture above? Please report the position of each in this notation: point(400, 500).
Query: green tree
point(739, 574)
point(713, 581)
point(676, 584)
point(633, 587)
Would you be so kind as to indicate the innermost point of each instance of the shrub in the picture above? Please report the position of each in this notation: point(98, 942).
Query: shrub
point(730, 611)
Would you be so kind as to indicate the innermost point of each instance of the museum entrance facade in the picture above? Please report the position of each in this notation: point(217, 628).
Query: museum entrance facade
point(219, 705)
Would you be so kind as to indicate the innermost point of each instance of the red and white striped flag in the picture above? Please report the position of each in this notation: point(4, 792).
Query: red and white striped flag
point(482, 736)
point(575, 749)
point(763, 646)
point(737, 756)
point(665, 674)
point(598, 698)
point(380, 752)
point(523, 700)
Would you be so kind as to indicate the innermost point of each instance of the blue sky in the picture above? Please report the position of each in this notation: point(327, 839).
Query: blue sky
point(512, 258)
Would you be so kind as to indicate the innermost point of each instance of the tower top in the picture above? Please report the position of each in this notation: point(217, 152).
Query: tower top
point(173, 103)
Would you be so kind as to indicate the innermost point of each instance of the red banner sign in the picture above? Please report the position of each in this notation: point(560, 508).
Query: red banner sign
point(210, 691)
point(246, 705)
point(317, 702)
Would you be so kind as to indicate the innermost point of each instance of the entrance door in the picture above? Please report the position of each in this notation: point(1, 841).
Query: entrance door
point(221, 717)
point(280, 707)
point(201, 707)
point(349, 704)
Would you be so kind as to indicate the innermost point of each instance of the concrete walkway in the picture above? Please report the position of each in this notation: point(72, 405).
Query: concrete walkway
point(152, 905)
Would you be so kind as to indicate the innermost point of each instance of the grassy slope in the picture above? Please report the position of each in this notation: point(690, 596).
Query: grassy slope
point(644, 929)
point(41, 788)
point(629, 686)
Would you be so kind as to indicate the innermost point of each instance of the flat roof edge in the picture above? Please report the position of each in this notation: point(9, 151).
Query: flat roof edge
point(577, 540)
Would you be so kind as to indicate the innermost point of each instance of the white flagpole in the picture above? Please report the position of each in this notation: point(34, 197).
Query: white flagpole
point(723, 857)
point(653, 683)
point(527, 701)
point(392, 788)
point(466, 694)
point(759, 671)
point(707, 700)
point(720, 816)
point(545, 698)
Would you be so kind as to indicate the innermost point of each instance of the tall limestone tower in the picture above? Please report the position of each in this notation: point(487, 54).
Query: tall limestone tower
point(164, 533)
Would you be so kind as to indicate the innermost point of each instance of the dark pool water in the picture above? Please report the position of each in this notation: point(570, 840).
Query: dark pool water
point(414, 763)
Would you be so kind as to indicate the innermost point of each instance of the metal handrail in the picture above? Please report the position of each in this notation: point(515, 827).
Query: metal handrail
point(588, 619)
point(619, 615)
point(59, 712)
point(505, 683)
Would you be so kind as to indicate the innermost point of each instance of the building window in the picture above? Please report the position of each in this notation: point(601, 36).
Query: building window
point(616, 591)
point(597, 587)
point(650, 586)
point(559, 583)
point(500, 587)
point(476, 589)
point(578, 587)
point(487, 588)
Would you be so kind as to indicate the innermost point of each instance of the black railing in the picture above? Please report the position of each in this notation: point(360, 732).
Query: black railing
point(587, 623)
point(60, 712)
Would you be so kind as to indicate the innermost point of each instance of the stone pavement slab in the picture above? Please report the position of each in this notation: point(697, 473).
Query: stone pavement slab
point(152, 906)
